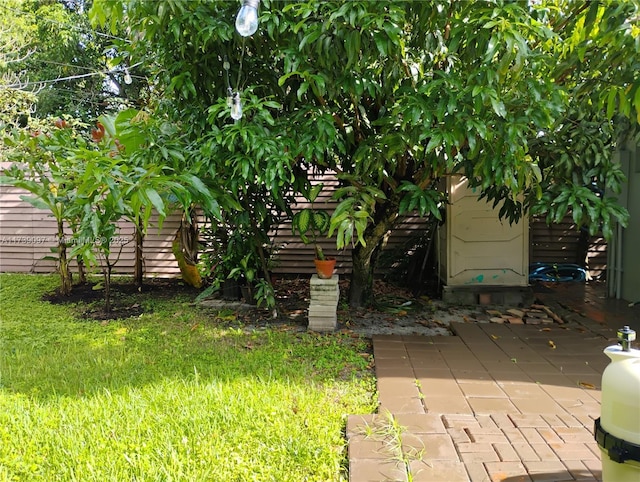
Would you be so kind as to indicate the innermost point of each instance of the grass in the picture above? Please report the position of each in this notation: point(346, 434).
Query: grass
point(387, 429)
point(179, 394)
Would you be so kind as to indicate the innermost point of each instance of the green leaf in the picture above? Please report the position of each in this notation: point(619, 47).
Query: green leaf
point(590, 18)
point(156, 200)
point(315, 190)
point(197, 184)
point(36, 202)
point(381, 43)
point(611, 102)
point(310, 38)
point(108, 121)
point(284, 78)
point(498, 107)
point(343, 208)
point(435, 141)
point(301, 222)
point(94, 222)
point(302, 89)
point(321, 220)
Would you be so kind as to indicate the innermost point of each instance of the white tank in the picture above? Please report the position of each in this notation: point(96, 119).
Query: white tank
point(617, 431)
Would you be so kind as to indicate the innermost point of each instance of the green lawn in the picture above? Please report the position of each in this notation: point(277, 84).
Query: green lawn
point(175, 394)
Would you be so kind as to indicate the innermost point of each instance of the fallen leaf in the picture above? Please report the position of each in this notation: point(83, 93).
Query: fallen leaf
point(588, 385)
point(552, 345)
point(545, 329)
point(495, 337)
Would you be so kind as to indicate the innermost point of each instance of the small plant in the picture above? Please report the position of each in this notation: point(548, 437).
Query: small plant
point(310, 223)
point(265, 295)
point(388, 430)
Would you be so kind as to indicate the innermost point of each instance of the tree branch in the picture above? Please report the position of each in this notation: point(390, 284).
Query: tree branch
point(571, 17)
point(26, 56)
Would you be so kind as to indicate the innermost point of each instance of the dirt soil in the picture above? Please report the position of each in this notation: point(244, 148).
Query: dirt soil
point(125, 297)
point(396, 309)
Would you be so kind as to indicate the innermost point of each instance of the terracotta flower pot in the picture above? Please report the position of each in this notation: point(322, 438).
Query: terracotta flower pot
point(325, 267)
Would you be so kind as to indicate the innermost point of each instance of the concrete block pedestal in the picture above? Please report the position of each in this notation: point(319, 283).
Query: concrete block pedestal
point(323, 306)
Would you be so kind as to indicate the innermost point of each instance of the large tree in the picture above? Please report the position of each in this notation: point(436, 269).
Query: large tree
point(520, 97)
point(49, 49)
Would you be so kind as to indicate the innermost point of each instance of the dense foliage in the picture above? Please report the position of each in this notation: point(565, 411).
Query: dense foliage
point(524, 98)
point(528, 100)
point(90, 178)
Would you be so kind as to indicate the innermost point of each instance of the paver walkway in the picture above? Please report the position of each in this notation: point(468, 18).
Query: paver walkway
point(496, 402)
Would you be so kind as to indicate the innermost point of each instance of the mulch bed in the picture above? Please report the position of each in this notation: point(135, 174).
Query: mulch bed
point(125, 297)
point(292, 297)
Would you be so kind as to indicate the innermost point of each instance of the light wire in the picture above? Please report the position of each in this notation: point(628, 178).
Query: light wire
point(61, 79)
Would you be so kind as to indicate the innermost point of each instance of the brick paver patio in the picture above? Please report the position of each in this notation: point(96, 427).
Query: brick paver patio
point(496, 402)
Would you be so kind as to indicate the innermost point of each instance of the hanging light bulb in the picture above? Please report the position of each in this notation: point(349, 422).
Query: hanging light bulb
point(247, 19)
point(229, 97)
point(127, 77)
point(236, 108)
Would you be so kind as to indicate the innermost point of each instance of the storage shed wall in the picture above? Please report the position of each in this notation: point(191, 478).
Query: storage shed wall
point(476, 247)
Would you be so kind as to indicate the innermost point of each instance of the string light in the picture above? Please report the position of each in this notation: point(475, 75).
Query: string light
point(61, 64)
point(234, 102)
point(127, 76)
point(236, 108)
point(70, 77)
point(247, 19)
point(229, 97)
point(53, 81)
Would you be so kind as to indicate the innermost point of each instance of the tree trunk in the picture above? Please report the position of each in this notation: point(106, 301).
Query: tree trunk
point(263, 264)
point(361, 285)
point(138, 261)
point(63, 263)
point(364, 257)
point(82, 271)
point(582, 249)
point(107, 287)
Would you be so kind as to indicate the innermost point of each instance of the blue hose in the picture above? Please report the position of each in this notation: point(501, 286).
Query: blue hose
point(556, 272)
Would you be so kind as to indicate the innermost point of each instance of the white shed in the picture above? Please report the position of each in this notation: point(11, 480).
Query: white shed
point(481, 257)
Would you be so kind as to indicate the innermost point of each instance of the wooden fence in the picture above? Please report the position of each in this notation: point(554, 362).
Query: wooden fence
point(27, 235)
point(562, 243)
